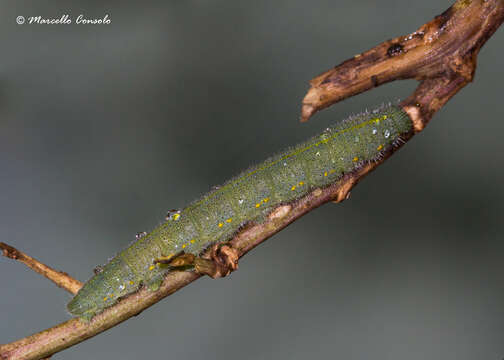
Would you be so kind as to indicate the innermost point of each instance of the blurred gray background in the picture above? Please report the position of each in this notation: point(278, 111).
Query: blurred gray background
point(105, 128)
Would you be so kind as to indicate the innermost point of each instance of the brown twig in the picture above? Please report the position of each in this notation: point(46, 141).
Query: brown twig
point(62, 279)
point(441, 54)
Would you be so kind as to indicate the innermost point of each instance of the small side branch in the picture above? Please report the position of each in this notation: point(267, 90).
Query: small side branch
point(62, 279)
point(441, 54)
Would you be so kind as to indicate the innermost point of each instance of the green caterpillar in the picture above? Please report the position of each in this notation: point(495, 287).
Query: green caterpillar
point(249, 197)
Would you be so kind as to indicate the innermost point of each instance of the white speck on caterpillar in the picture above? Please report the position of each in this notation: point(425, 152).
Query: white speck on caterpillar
point(140, 235)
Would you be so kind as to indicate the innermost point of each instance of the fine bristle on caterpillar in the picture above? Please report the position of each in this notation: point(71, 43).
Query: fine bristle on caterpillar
point(251, 196)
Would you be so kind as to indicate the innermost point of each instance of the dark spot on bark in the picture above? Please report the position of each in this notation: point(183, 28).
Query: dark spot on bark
point(395, 50)
point(443, 18)
point(374, 80)
point(325, 81)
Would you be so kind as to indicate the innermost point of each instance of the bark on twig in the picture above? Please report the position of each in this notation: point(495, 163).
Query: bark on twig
point(441, 55)
point(60, 278)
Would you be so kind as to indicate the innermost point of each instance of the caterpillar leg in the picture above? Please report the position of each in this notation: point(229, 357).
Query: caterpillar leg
point(181, 262)
point(221, 260)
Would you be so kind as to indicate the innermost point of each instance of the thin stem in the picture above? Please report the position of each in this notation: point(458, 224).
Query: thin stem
point(60, 278)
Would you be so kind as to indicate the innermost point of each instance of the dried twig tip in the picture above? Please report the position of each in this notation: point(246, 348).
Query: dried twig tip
point(62, 279)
